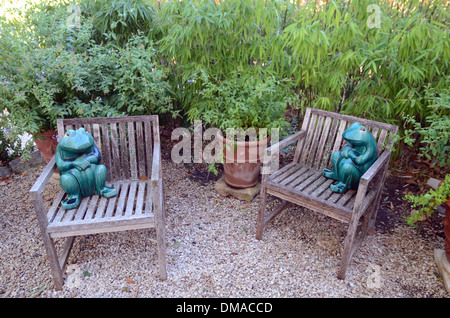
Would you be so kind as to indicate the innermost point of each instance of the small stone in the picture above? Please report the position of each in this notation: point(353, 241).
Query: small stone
point(434, 183)
point(5, 171)
point(18, 166)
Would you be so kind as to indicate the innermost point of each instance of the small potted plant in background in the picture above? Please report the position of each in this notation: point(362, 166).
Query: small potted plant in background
point(243, 103)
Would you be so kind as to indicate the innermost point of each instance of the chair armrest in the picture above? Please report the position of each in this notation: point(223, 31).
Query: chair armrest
point(367, 177)
point(287, 141)
point(156, 164)
point(270, 165)
point(42, 181)
point(375, 168)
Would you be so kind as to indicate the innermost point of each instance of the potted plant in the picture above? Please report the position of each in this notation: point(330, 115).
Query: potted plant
point(240, 106)
point(427, 204)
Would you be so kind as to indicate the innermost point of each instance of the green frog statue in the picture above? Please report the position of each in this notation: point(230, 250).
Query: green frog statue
point(81, 175)
point(353, 160)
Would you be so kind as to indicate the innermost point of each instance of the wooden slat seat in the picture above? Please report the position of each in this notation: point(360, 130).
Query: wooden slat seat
point(309, 184)
point(131, 152)
point(132, 207)
point(302, 182)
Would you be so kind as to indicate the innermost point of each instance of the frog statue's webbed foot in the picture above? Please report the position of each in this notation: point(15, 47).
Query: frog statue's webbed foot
point(108, 192)
point(71, 202)
point(338, 187)
point(100, 178)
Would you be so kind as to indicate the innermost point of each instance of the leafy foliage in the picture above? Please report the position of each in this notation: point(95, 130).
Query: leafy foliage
point(341, 64)
point(129, 55)
point(435, 135)
point(9, 146)
point(426, 203)
point(51, 70)
point(337, 59)
point(242, 101)
point(118, 21)
point(219, 48)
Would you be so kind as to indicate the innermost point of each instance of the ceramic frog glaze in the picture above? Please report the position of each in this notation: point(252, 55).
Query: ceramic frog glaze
point(353, 160)
point(81, 175)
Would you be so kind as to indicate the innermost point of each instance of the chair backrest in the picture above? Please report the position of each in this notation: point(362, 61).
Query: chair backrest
point(324, 136)
point(125, 143)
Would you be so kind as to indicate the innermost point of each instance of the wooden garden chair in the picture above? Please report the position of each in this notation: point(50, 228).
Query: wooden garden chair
point(302, 182)
point(131, 151)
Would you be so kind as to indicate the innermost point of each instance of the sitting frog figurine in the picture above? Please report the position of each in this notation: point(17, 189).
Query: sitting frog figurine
point(81, 175)
point(353, 160)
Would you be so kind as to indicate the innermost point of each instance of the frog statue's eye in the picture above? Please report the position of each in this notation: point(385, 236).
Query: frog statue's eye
point(67, 134)
point(362, 129)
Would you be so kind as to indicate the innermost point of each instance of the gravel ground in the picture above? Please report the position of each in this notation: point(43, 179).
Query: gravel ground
point(212, 252)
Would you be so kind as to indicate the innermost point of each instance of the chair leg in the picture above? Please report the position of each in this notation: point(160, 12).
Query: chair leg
point(374, 212)
point(52, 256)
point(58, 265)
point(368, 222)
point(160, 233)
point(369, 219)
point(262, 207)
point(49, 243)
point(355, 237)
point(349, 247)
point(377, 202)
point(164, 201)
point(161, 246)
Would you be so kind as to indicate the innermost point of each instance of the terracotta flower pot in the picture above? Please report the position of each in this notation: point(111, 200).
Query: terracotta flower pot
point(447, 229)
point(442, 257)
point(47, 145)
point(242, 161)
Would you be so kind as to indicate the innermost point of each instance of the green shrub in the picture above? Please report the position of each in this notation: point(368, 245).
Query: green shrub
point(10, 146)
point(125, 79)
point(335, 59)
point(338, 61)
point(427, 203)
point(207, 42)
point(118, 21)
point(342, 64)
point(434, 135)
point(50, 70)
point(242, 101)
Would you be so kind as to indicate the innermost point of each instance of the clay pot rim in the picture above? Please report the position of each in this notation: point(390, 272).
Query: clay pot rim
point(46, 133)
